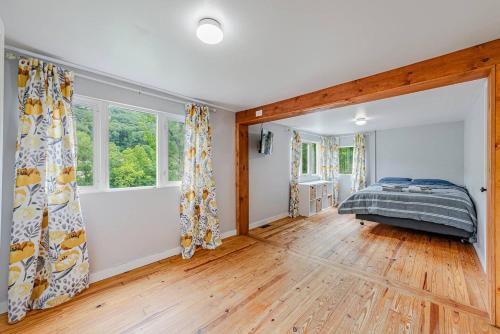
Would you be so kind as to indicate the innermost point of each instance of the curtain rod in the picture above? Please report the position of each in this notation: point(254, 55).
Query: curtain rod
point(177, 98)
point(367, 133)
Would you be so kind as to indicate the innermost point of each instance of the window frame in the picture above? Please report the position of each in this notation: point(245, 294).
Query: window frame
point(101, 144)
point(95, 106)
point(309, 155)
point(347, 146)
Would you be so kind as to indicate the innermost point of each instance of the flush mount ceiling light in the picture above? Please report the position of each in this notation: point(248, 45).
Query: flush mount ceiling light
point(209, 31)
point(360, 121)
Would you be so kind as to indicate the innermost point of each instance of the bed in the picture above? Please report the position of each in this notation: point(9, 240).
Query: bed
point(430, 205)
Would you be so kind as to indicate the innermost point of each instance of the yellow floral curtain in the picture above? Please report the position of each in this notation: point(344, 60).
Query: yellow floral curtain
point(329, 153)
point(358, 163)
point(198, 207)
point(48, 253)
point(293, 210)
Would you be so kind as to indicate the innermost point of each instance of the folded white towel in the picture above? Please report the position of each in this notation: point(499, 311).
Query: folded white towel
point(392, 188)
point(419, 189)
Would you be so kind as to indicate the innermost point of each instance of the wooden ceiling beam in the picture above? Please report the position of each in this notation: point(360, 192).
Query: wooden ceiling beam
point(460, 66)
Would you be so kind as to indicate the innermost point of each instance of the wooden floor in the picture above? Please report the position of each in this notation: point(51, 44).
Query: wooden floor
point(324, 274)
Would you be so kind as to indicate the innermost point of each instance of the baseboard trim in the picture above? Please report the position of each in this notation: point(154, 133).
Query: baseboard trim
point(134, 264)
point(268, 220)
point(137, 263)
point(230, 233)
point(480, 257)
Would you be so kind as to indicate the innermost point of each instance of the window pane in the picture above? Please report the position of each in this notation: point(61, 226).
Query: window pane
point(132, 148)
point(313, 158)
point(345, 160)
point(304, 158)
point(175, 150)
point(84, 119)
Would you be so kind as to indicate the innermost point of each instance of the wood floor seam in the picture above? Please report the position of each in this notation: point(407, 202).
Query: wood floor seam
point(382, 280)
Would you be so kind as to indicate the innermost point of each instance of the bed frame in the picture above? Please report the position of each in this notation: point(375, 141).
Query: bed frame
point(418, 225)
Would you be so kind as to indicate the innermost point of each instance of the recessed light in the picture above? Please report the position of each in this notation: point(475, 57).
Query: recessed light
point(209, 31)
point(360, 121)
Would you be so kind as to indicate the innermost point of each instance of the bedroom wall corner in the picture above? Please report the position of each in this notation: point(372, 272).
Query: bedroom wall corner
point(475, 168)
point(269, 175)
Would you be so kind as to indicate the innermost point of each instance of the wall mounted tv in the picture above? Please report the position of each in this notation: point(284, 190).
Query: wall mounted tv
point(266, 142)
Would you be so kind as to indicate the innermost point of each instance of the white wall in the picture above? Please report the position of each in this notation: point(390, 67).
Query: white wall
point(269, 175)
point(2, 56)
point(428, 151)
point(125, 228)
point(475, 167)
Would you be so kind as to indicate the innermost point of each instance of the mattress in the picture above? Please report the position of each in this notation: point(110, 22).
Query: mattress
point(444, 205)
point(419, 226)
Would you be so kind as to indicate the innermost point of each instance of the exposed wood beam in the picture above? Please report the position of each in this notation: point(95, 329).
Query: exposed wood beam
point(493, 247)
point(464, 65)
point(490, 203)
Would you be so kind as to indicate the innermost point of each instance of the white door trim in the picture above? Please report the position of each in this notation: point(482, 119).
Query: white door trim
point(2, 56)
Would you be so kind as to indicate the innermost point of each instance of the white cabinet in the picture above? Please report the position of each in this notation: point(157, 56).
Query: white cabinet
point(315, 196)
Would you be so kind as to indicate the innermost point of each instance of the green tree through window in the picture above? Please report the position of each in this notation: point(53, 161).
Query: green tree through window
point(345, 160)
point(175, 150)
point(132, 148)
point(312, 147)
point(84, 144)
point(305, 158)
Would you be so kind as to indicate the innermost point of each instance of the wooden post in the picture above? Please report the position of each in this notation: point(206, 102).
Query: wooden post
point(493, 227)
point(242, 203)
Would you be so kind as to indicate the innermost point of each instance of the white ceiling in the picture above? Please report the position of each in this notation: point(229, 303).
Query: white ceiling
point(272, 49)
point(445, 104)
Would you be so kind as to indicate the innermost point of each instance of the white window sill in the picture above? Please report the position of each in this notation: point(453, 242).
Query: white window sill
point(87, 190)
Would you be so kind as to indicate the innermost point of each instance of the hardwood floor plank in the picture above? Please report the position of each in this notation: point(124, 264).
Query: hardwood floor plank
point(324, 274)
point(433, 263)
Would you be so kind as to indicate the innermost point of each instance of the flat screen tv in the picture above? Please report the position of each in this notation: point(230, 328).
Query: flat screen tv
point(266, 142)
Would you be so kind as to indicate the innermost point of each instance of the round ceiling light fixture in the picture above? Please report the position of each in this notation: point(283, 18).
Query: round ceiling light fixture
point(209, 31)
point(360, 121)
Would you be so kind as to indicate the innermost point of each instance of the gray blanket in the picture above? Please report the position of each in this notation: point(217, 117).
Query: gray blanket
point(447, 205)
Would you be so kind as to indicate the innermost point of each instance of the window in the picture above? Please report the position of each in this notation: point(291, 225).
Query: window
point(312, 159)
point(305, 158)
point(175, 150)
point(345, 160)
point(309, 158)
point(132, 148)
point(84, 116)
point(120, 147)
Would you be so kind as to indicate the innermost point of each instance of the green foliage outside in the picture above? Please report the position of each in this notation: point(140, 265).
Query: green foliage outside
point(312, 148)
point(85, 150)
point(131, 148)
point(304, 158)
point(175, 150)
point(345, 160)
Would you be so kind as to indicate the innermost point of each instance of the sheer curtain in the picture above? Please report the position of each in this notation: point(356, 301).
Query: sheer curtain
point(198, 206)
point(48, 252)
point(359, 163)
point(294, 174)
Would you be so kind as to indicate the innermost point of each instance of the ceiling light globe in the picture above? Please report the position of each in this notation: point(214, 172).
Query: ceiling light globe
point(360, 121)
point(209, 31)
